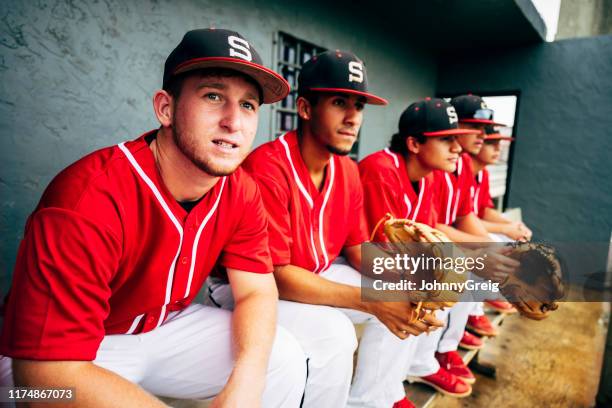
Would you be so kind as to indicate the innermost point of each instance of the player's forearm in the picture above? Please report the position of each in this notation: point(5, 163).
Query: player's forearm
point(300, 285)
point(495, 227)
point(94, 386)
point(494, 216)
point(353, 256)
point(254, 328)
point(471, 224)
point(456, 235)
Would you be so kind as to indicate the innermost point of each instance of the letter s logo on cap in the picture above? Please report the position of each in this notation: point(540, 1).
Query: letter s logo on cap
point(452, 115)
point(356, 71)
point(239, 48)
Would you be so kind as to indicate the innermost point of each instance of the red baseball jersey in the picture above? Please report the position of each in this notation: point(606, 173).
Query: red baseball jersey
point(482, 194)
point(307, 227)
point(108, 250)
point(454, 191)
point(388, 189)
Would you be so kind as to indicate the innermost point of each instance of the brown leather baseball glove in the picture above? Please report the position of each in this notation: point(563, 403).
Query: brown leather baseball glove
point(401, 232)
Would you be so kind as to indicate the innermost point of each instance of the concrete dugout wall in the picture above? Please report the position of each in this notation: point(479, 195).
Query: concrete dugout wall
point(561, 171)
point(76, 76)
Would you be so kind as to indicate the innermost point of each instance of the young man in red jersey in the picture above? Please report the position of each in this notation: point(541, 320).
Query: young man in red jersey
point(493, 221)
point(399, 180)
point(122, 241)
point(499, 227)
point(314, 198)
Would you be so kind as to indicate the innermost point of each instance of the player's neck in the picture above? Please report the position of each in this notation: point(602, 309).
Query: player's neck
point(477, 165)
point(316, 157)
point(415, 169)
point(184, 180)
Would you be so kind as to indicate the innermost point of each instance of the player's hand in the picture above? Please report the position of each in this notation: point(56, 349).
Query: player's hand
point(497, 266)
point(516, 231)
point(234, 395)
point(527, 232)
point(398, 317)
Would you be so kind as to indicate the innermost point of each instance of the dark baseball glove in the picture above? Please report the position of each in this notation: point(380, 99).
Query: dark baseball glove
point(538, 283)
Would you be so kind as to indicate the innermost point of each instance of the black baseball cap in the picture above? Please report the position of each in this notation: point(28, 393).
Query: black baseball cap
point(431, 117)
point(217, 48)
point(472, 109)
point(492, 134)
point(336, 71)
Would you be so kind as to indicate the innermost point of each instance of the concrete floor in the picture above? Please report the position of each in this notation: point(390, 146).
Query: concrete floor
point(552, 363)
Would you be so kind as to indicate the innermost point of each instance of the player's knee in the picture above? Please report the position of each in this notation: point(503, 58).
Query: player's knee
point(6, 372)
point(287, 360)
point(339, 331)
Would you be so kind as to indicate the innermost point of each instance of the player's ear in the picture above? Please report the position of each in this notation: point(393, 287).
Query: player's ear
point(304, 108)
point(164, 107)
point(413, 146)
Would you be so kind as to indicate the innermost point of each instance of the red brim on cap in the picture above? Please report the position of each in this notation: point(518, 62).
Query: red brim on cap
point(483, 121)
point(498, 136)
point(273, 86)
point(370, 98)
point(449, 132)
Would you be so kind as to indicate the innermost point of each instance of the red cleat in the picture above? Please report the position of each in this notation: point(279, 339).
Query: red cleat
point(470, 341)
point(501, 306)
point(481, 325)
point(453, 363)
point(404, 403)
point(446, 383)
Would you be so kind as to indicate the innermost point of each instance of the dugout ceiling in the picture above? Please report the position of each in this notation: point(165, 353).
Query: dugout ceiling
point(448, 26)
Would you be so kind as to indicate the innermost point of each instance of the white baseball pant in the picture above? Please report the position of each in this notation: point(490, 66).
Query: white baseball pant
point(327, 336)
point(424, 361)
point(455, 326)
point(190, 356)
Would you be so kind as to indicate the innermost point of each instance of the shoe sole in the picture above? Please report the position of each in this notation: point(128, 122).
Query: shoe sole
point(480, 332)
point(469, 381)
point(469, 347)
point(440, 389)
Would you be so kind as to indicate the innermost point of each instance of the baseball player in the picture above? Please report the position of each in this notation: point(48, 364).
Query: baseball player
point(473, 114)
point(456, 218)
point(313, 194)
point(493, 221)
point(398, 180)
point(122, 241)
point(496, 224)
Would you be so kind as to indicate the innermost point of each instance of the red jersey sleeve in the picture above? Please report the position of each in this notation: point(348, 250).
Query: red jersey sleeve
point(379, 199)
point(485, 190)
point(248, 248)
point(358, 233)
point(437, 210)
point(465, 202)
point(465, 184)
point(59, 297)
point(276, 202)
